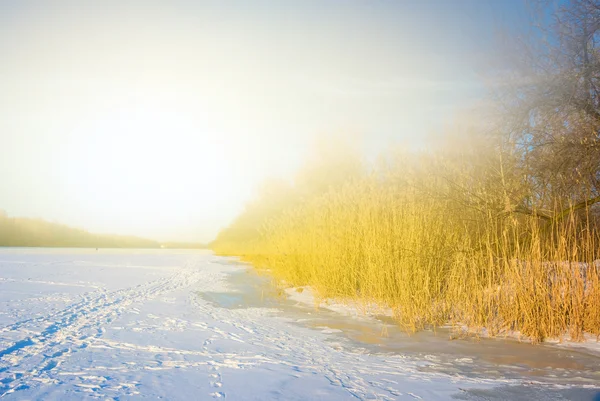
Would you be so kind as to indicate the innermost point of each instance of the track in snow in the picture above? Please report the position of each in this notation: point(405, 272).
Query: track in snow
point(73, 328)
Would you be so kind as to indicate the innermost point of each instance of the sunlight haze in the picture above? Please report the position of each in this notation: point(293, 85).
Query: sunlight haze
point(160, 119)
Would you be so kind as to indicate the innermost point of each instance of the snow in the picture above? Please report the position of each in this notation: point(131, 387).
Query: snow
point(120, 325)
point(306, 296)
point(590, 343)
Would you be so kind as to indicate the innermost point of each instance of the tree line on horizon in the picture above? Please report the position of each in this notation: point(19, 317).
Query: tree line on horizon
point(33, 232)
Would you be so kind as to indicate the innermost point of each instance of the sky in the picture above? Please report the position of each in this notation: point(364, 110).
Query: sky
point(159, 119)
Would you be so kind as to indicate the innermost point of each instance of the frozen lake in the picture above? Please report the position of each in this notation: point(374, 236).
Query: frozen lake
point(181, 325)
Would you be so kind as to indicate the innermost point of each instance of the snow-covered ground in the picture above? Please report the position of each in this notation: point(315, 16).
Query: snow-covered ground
point(125, 325)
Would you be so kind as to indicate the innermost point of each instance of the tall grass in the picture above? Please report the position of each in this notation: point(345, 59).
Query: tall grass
point(435, 239)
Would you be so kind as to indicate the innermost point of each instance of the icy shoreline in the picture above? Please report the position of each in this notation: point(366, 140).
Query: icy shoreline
point(306, 296)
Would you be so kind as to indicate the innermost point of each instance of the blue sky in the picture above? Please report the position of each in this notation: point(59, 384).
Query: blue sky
point(114, 111)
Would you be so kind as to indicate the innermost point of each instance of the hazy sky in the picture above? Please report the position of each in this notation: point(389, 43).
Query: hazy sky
point(159, 118)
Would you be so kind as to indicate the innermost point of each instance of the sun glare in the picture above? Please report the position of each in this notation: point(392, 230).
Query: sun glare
point(162, 124)
point(146, 161)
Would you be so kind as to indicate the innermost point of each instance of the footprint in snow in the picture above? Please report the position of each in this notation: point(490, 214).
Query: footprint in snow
point(218, 382)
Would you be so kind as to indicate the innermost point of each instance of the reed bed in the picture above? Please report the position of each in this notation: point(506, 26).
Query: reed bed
point(437, 241)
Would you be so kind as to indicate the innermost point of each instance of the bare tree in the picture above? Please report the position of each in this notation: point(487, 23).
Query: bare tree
point(553, 101)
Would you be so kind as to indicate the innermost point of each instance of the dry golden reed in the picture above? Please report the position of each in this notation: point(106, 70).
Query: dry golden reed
point(435, 239)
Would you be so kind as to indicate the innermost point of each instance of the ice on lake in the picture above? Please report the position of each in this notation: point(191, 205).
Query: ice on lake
point(181, 325)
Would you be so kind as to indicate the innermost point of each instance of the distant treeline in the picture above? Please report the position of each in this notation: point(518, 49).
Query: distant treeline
point(28, 232)
point(184, 245)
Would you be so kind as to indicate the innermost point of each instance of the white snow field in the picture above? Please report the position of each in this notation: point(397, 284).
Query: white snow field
point(128, 325)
